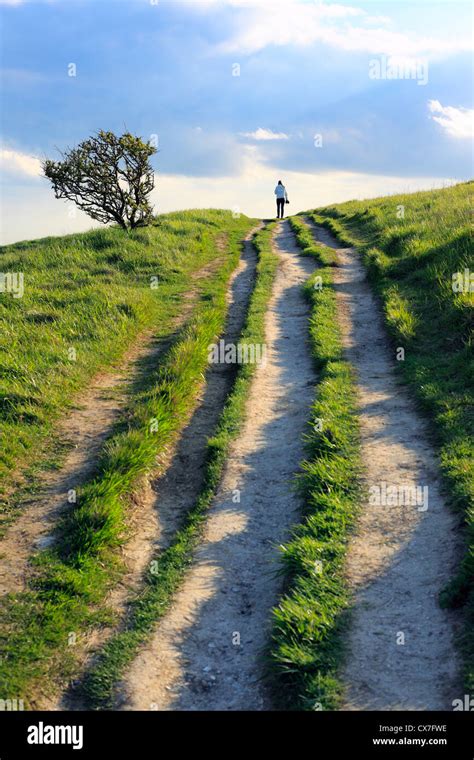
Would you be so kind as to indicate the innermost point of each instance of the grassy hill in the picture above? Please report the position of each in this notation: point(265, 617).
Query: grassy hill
point(93, 292)
point(86, 298)
point(414, 247)
point(89, 297)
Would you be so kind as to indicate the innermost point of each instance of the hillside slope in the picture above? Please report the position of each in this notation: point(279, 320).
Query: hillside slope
point(419, 255)
point(86, 299)
point(60, 557)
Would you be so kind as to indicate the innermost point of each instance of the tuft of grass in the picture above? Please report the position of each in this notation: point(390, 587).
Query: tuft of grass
point(306, 648)
point(413, 245)
point(334, 226)
point(309, 247)
point(169, 567)
point(401, 314)
point(66, 593)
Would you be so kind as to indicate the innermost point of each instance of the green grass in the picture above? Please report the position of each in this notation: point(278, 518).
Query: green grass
point(334, 226)
point(412, 245)
point(306, 648)
point(67, 591)
point(90, 294)
point(169, 567)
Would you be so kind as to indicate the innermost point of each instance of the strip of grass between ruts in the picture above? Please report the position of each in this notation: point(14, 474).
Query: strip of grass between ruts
point(411, 258)
point(306, 648)
point(67, 590)
point(170, 566)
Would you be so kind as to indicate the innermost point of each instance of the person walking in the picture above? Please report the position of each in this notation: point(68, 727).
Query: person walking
point(281, 198)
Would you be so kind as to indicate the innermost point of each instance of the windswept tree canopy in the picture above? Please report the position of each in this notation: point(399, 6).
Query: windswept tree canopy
point(108, 177)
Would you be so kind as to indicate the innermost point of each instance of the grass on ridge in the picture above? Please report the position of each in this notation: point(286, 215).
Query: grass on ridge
point(412, 246)
point(306, 648)
point(86, 298)
point(169, 567)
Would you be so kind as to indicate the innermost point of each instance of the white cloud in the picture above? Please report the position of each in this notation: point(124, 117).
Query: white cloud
point(31, 212)
point(341, 26)
point(458, 122)
point(19, 163)
point(251, 192)
point(265, 134)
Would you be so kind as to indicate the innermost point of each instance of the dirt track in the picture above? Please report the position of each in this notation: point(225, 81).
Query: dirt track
point(402, 654)
point(206, 653)
point(84, 430)
point(162, 501)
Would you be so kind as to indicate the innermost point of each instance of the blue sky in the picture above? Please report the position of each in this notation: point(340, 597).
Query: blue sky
point(240, 93)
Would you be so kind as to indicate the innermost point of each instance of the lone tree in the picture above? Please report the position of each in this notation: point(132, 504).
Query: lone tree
point(108, 177)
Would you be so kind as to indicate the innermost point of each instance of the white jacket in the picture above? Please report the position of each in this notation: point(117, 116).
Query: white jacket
point(280, 192)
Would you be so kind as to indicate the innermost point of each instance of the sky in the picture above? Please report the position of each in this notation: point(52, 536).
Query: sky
point(337, 100)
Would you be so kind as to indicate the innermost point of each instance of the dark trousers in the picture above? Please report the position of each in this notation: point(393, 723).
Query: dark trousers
point(280, 207)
